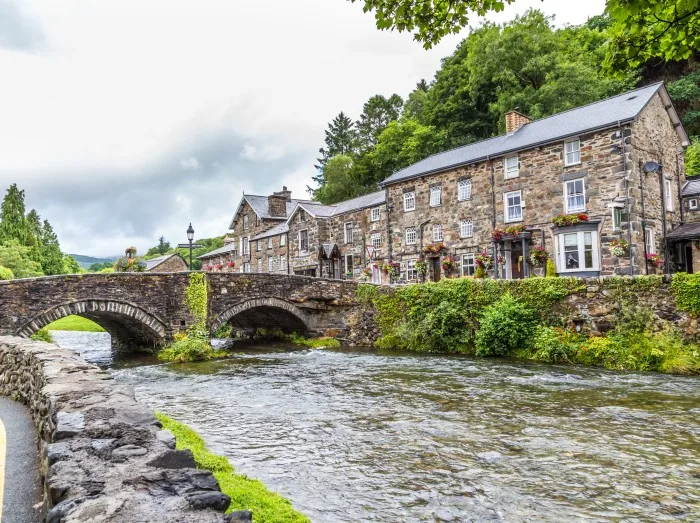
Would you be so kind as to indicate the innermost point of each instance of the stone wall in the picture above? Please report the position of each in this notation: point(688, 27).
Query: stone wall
point(175, 263)
point(104, 456)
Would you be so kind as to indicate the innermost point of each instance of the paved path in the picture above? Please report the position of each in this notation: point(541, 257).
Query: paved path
point(21, 490)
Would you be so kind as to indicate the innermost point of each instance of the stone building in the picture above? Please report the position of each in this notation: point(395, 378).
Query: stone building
point(567, 185)
point(685, 240)
point(172, 262)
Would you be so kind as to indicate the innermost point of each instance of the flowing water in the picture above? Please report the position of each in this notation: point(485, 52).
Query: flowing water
point(353, 436)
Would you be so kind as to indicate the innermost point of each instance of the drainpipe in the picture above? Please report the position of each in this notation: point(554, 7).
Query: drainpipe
point(678, 181)
point(644, 217)
point(388, 226)
point(420, 244)
point(627, 198)
point(493, 216)
point(663, 217)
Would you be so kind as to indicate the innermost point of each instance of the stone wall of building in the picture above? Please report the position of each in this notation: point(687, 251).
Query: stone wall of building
point(104, 456)
point(173, 264)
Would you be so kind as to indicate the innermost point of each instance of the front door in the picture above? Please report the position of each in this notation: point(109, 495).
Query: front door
point(436, 268)
point(516, 264)
point(688, 258)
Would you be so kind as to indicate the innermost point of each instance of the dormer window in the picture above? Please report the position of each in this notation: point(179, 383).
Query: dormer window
point(572, 152)
point(245, 222)
point(511, 167)
point(302, 215)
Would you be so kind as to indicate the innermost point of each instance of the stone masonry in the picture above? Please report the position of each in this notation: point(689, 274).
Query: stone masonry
point(104, 456)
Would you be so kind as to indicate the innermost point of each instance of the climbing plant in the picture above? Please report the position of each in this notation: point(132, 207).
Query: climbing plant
point(196, 296)
point(686, 289)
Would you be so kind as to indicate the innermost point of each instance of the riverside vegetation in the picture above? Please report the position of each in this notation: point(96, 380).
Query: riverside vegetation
point(245, 493)
point(525, 319)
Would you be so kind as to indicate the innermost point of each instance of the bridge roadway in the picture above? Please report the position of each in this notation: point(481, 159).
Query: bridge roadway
point(145, 310)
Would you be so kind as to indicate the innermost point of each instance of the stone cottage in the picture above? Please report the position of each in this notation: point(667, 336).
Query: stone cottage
point(685, 240)
point(595, 189)
point(172, 262)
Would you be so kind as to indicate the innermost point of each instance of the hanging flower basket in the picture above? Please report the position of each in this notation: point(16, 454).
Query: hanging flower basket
point(448, 263)
point(421, 267)
point(230, 265)
point(501, 261)
point(618, 247)
point(484, 260)
point(434, 249)
point(512, 230)
point(207, 267)
point(656, 260)
point(567, 220)
point(538, 256)
point(366, 274)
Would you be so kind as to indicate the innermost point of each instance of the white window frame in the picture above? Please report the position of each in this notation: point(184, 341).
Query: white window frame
point(270, 264)
point(464, 190)
point(375, 214)
point(595, 251)
point(469, 262)
point(347, 233)
point(617, 209)
point(570, 210)
point(283, 240)
point(437, 232)
point(301, 249)
point(650, 240)
point(409, 201)
point(668, 194)
point(245, 246)
point(506, 207)
point(411, 273)
point(257, 220)
point(269, 242)
point(260, 265)
point(693, 204)
point(245, 222)
point(411, 236)
point(376, 240)
point(259, 245)
point(466, 228)
point(283, 264)
point(510, 171)
point(349, 267)
point(436, 196)
point(246, 267)
point(575, 152)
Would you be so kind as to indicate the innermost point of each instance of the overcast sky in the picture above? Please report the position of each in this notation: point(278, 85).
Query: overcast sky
point(124, 120)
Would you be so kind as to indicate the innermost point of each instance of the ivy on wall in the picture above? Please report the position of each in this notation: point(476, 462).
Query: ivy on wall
point(196, 299)
point(686, 290)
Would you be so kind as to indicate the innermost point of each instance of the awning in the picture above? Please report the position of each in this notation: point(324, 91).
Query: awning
point(687, 231)
point(328, 251)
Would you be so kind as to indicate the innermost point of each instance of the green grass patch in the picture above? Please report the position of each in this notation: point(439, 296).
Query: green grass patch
point(315, 343)
point(186, 349)
point(43, 335)
point(74, 323)
point(245, 493)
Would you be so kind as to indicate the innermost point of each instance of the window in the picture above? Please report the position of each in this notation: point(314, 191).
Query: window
point(283, 240)
point(259, 245)
point(437, 233)
point(376, 240)
point(435, 196)
point(409, 201)
point(668, 193)
point(302, 215)
point(245, 246)
point(375, 214)
point(577, 251)
point(349, 266)
point(269, 242)
point(575, 195)
point(692, 204)
point(245, 222)
point(513, 204)
point(304, 240)
point(466, 229)
point(468, 265)
point(246, 267)
point(572, 152)
point(348, 232)
point(649, 240)
point(411, 273)
point(617, 218)
point(511, 167)
point(259, 264)
point(283, 264)
point(257, 220)
point(270, 264)
point(411, 236)
point(464, 189)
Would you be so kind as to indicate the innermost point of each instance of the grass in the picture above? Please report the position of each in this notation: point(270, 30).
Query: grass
point(42, 335)
point(187, 349)
point(315, 343)
point(74, 323)
point(245, 493)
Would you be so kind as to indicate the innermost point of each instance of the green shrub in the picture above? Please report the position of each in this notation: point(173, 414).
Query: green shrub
point(187, 349)
point(43, 335)
point(686, 289)
point(554, 345)
point(480, 272)
point(315, 343)
point(6, 274)
point(224, 331)
point(551, 271)
point(504, 327)
point(245, 493)
point(633, 319)
point(444, 328)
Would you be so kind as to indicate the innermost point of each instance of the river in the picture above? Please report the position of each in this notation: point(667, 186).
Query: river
point(352, 436)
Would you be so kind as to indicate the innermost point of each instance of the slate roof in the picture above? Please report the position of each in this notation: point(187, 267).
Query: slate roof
point(154, 262)
point(221, 250)
point(280, 228)
point(318, 210)
point(603, 114)
point(261, 207)
point(691, 187)
point(687, 231)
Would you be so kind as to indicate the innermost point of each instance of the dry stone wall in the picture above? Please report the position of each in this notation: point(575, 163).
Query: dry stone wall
point(104, 456)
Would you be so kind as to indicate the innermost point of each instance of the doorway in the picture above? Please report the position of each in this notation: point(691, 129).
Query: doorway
point(688, 255)
point(516, 266)
point(435, 262)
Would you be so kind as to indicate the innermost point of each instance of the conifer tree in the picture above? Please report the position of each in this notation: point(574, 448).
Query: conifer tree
point(13, 222)
point(52, 260)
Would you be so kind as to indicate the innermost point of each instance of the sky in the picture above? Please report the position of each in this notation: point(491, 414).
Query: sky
point(125, 120)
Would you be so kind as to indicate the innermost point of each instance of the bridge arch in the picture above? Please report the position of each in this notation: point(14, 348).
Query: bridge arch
point(129, 325)
point(269, 313)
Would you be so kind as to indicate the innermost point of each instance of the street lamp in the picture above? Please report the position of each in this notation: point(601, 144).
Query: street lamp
point(190, 245)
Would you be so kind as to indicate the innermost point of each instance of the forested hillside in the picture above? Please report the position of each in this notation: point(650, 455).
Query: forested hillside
point(526, 64)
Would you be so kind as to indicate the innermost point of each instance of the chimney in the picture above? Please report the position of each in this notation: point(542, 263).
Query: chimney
point(277, 202)
point(515, 120)
point(228, 239)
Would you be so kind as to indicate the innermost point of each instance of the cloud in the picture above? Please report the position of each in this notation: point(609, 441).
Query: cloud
point(189, 164)
point(265, 153)
point(18, 31)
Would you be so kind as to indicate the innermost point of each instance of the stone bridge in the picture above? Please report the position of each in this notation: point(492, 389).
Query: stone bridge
point(145, 310)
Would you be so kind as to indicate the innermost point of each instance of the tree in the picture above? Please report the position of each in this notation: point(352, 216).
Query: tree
point(340, 182)
point(71, 266)
point(377, 112)
point(53, 261)
point(163, 247)
point(692, 158)
point(341, 138)
point(34, 238)
point(16, 257)
point(685, 93)
point(13, 222)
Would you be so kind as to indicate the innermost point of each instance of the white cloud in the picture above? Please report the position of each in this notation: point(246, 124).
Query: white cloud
point(123, 94)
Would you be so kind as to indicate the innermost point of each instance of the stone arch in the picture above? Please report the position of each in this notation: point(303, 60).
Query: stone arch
point(129, 325)
point(265, 313)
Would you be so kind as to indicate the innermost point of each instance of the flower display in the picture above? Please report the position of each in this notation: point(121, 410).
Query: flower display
point(655, 259)
point(538, 255)
point(421, 267)
point(484, 260)
point(230, 265)
point(434, 248)
point(219, 266)
point(448, 263)
point(511, 230)
point(566, 220)
point(618, 247)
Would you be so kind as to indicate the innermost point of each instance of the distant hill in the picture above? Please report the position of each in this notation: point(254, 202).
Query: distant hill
point(86, 261)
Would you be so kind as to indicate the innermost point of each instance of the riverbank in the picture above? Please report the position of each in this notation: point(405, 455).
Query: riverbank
point(245, 493)
point(547, 320)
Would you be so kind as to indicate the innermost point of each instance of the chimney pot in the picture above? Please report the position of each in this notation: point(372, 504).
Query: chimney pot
point(515, 120)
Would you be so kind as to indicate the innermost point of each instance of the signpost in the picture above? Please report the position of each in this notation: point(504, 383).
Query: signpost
point(190, 245)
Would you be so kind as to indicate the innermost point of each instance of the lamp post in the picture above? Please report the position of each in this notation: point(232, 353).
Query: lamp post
point(190, 245)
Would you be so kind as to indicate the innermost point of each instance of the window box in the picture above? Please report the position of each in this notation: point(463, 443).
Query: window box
point(568, 220)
